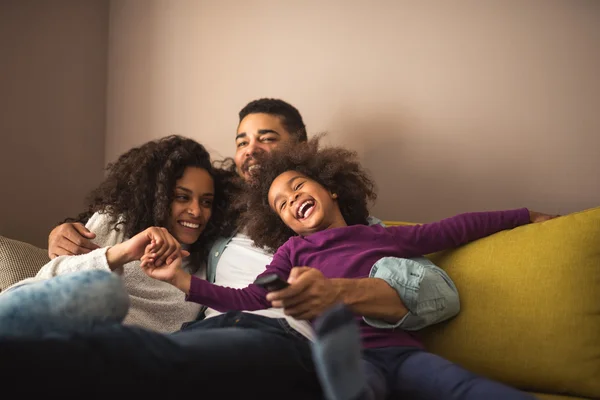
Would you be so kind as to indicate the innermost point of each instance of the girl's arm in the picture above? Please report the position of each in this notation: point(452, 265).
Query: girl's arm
point(456, 231)
point(220, 298)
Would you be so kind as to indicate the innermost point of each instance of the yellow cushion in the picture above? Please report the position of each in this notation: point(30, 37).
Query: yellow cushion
point(530, 306)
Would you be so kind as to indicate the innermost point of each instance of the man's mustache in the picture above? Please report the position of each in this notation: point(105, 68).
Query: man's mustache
point(255, 158)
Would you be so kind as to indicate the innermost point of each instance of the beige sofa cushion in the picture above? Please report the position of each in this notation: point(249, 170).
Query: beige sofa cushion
point(19, 260)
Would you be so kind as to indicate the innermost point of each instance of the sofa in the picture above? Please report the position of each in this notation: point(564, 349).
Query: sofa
point(530, 304)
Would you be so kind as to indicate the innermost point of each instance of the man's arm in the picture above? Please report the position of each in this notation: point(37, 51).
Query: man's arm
point(371, 297)
point(425, 289)
point(311, 294)
point(400, 293)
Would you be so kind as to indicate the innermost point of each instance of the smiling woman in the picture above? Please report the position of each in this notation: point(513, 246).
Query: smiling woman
point(191, 208)
point(164, 193)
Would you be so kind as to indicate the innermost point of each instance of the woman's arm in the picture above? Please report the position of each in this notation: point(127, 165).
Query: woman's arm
point(102, 226)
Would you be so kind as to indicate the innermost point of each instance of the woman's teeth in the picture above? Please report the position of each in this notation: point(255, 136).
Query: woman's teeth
point(189, 225)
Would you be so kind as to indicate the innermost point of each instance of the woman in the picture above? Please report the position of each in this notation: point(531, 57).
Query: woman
point(165, 193)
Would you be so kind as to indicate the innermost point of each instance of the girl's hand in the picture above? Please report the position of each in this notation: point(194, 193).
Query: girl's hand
point(165, 246)
point(540, 217)
point(171, 272)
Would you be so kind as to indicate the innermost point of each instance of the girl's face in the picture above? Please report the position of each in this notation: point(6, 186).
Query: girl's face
point(192, 206)
point(304, 205)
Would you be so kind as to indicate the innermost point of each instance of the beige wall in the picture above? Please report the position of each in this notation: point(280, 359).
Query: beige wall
point(52, 111)
point(470, 106)
point(454, 106)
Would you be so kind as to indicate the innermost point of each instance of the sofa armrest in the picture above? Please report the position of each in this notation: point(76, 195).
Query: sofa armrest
point(19, 260)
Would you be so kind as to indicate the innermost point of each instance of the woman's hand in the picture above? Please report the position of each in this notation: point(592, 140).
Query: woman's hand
point(540, 217)
point(170, 272)
point(165, 247)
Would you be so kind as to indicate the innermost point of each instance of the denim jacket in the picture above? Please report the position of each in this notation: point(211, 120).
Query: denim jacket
point(425, 289)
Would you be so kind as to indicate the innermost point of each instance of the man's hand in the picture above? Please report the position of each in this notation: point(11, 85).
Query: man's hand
point(70, 239)
point(540, 217)
point(308, 295)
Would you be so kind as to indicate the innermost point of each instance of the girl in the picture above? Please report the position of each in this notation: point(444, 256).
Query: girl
point(311, 205)
point(165, 192)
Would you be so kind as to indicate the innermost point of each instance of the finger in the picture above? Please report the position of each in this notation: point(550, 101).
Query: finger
point(63, 246)
point(83, 231)
point(181, 253)
point(169, 247)
point(287, 293)
point(172, 250)
point(77, 235)
point(148, 249)
point(296, 301)
point(302, 311)
point(296, 272)
point(69, 249)
point(147, 261)
point(161, 243)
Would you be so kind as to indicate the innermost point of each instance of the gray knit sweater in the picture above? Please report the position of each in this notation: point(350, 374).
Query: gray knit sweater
point(154, 304)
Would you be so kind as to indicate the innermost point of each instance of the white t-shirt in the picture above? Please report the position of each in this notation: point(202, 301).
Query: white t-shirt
point(239, 265)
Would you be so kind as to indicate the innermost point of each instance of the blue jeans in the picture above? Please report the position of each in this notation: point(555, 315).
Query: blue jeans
point(234, 355)
point(411, 373)
point(65, 334)
point(72, 302)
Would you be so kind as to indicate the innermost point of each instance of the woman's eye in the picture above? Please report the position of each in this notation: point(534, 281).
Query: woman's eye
point(207, 203)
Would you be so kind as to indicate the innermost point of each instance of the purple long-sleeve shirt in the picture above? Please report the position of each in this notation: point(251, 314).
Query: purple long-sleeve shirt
point(350, 252)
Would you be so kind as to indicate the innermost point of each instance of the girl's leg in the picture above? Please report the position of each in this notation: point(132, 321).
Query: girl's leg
point(72, 302)
point(424, 376)
point(342, 370)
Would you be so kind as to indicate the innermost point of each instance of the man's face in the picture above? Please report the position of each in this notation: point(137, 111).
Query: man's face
point(257, 135)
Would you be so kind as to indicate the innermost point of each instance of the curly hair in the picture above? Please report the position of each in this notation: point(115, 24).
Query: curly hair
point(140, 187)
point(290, 116)
point(337, 169)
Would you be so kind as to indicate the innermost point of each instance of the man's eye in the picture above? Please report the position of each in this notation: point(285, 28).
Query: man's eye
point(240, 144)
point(268, 139)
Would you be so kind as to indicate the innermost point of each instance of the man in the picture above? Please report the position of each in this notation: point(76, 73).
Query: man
point(252, 346)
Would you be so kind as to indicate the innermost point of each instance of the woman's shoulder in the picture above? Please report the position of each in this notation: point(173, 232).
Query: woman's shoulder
point(104, 225)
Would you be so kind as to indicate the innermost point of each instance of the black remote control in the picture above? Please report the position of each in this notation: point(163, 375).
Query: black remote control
point(271, 282)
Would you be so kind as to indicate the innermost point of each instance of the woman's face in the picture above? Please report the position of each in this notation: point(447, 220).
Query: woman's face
point(192, 205)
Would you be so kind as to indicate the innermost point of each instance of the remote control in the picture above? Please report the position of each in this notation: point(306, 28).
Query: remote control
point(271, 282)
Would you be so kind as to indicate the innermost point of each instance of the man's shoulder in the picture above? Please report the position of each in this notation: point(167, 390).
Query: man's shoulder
point(374, 221)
